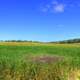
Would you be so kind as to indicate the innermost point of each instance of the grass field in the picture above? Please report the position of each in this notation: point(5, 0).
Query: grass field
point(39, 61)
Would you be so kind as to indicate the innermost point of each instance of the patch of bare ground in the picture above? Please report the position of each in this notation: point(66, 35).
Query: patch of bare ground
point(47, 59)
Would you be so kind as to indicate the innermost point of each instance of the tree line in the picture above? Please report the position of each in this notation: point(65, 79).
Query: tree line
point(17, 41)
point(64, 41)
point(69, 41)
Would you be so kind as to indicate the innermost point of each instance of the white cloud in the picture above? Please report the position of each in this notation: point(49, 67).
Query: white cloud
point(58, 8)
point(54, 7)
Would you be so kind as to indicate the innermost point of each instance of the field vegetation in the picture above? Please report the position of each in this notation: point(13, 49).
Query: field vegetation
point(39, 61)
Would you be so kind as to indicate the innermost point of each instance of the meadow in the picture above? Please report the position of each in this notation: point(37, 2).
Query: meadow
point(39, 61)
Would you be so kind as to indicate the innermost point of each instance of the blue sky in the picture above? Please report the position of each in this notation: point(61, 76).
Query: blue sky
point(39, 20)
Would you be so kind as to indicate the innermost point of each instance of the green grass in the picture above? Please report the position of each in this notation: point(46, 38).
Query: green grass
point(15, 64)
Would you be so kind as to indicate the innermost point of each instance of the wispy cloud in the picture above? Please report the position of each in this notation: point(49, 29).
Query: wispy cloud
point(59, 25)
point(54, 6)
point(45, 8)
point(59, 8)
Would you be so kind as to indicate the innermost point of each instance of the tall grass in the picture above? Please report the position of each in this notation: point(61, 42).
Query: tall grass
point(15, 63)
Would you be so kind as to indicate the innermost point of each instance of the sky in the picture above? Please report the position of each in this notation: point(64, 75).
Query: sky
point(39, 20)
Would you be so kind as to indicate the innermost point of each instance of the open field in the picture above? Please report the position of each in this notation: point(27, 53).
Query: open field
point(39, 61)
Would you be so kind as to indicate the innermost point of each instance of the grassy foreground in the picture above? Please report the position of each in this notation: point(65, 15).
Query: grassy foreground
point(28, 61)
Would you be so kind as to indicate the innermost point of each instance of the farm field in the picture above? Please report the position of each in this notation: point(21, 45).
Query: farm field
point(39, 61)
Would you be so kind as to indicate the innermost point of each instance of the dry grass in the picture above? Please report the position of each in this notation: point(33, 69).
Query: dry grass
point(37, 44)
